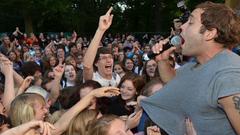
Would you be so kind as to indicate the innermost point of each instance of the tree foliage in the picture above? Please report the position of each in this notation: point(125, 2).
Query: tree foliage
point(83, 15)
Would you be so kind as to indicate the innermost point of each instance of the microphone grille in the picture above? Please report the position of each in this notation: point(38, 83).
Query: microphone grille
point(176, 40)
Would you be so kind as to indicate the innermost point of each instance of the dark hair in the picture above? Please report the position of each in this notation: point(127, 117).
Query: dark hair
point(61, 46)
point(90, 83)
point(124, 64)
point(101, 103)
point(228, 29)
point(138, 81)
point(149, 86)
point(4, 120)
point(101, 50)
point(146, 76)
point(69, 97)
point(29, 68)
point(46, 79)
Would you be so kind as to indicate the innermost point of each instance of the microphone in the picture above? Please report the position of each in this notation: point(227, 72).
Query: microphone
point(176, 41)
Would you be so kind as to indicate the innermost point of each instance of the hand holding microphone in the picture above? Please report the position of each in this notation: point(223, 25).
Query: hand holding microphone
point(163, 49)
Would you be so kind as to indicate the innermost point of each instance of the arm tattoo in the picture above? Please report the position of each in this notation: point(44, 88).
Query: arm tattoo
point(236, 100)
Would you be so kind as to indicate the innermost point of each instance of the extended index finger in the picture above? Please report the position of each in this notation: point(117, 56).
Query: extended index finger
point(109, 11)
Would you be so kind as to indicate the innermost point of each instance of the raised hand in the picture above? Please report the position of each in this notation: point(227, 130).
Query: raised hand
point(105, 92)
point(153, 130)
point(158, 47)
point(134, 119)
point(58, 70)
point(25, 84)
point(189, 127)
point(45, 128)
point(106, 20)
point(6, 65)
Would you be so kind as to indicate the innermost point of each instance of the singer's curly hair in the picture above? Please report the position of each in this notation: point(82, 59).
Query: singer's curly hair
point(228, 29)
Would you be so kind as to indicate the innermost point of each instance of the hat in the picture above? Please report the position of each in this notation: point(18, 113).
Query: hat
point(38, 90)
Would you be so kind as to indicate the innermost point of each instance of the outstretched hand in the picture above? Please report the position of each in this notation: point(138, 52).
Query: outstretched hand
point(25, 84)
point(105, 92)
point(134, 119)
point(106, 20)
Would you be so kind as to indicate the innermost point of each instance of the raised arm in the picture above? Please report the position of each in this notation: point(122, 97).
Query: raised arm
point(104, 23)
point(166, 72)
point(26, 83)
point(18, 80)
point(6, 67)
point(62, 124)
point(45, 128)
point(54, 86)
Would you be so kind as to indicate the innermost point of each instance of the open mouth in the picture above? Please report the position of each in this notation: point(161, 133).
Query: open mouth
point(108, 67)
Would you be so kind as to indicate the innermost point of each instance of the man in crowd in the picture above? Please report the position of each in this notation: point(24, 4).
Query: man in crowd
point(101, 57)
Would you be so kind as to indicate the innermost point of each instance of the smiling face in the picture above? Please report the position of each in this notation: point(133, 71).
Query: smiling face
point(12, 56)
point(129, 64)
point(105, 64)
point(128, 91)
point(118, 69)
point(48, 52)
point(52, 61)
point(70, 73)
point(194, 41)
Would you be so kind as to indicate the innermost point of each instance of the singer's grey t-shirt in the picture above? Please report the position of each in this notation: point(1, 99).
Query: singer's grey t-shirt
point(194, 93)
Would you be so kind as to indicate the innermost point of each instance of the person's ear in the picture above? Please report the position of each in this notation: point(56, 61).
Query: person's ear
point(210, 34)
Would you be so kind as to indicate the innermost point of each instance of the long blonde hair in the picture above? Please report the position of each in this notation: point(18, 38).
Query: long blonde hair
point(101, 126)
point(79, 123)
point(21, 110)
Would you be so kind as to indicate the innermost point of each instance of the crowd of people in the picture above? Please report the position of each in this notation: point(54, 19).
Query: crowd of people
point(58, 85)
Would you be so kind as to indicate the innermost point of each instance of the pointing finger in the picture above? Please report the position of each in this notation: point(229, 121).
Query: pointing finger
point(109, 11)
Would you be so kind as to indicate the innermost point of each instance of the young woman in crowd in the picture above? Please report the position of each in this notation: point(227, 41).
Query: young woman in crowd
point(150, 70)
point(130, 87)
point(128, 65)
point(70, 76)
point(17, 63)
point(138, 64)
point(118, 69)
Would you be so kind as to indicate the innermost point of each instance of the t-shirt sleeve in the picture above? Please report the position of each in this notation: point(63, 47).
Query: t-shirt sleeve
point(228, 84)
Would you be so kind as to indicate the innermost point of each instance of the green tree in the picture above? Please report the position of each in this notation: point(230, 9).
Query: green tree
point(30, 10)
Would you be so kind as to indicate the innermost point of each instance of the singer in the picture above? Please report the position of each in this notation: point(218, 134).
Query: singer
point(207, 90)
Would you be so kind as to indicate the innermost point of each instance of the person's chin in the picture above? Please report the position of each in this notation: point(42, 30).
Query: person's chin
point(124, 98)
point(108, 73)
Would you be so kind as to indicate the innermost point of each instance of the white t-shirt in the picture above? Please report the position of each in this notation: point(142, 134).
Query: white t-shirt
point(105, 82)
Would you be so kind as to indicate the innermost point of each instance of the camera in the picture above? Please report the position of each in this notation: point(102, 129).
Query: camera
point(183, 8)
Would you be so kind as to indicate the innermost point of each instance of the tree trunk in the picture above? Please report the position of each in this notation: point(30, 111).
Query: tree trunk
point(28, 23)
